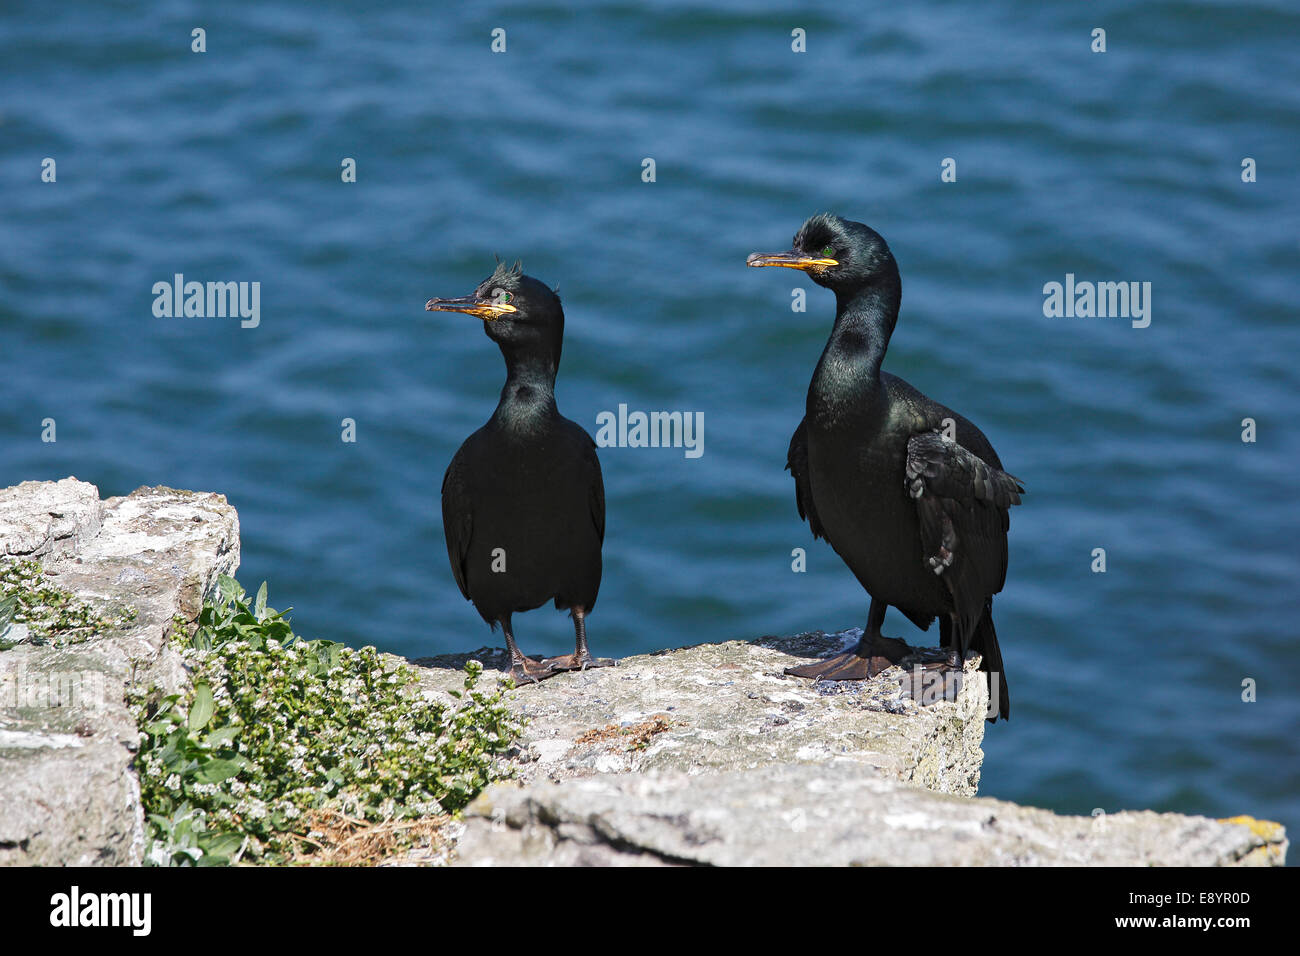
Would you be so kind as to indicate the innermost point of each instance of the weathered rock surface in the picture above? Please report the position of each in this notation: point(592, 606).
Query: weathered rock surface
point(68, 794)
point(701, 755)
point(716, 707)
point(709, 755)
point(48, 517)
point(842, 813)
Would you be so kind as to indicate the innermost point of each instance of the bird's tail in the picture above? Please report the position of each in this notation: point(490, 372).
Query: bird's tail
point(985, 640)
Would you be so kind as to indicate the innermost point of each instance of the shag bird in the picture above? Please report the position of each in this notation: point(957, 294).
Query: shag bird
point(908, 492)
point(523, 503)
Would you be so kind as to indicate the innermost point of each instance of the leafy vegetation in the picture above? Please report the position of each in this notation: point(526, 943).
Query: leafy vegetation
point(53, 616)
point(276, 734)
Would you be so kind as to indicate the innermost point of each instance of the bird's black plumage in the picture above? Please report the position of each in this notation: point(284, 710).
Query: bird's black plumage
point(523, 503)
point(908, 492)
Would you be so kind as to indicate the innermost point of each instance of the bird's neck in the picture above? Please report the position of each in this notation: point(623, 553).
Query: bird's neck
point(530, 386)
point(849, 371)
point(864, 322)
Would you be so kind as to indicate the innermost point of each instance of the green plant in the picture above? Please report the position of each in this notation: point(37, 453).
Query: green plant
point(53, 616)
point(274, 729)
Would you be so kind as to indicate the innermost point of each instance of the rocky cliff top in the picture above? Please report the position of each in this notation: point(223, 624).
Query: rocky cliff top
point(716, 707)
point(706, 754)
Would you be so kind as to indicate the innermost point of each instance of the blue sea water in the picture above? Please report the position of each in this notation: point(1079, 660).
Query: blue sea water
point(1117, 166)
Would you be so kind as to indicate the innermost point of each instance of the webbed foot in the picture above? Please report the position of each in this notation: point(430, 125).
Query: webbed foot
point(863, 662)
point(525, 670)
point(577, 662)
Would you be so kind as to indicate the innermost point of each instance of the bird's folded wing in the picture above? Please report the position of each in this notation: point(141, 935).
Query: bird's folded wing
point(457, 522)
point(962, 503)
point(597, 497)
point(796, 462)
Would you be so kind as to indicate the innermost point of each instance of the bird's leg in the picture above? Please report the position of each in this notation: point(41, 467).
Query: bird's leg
point(873, 653)
point(581, 657)
point(948, 639)
point(880, 651)
point(524, 670)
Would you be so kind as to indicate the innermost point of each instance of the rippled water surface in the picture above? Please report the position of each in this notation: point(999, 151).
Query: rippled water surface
point(1117, 166)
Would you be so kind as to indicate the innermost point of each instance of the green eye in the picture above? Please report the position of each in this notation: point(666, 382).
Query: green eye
point(829, 252)
point(506, 297)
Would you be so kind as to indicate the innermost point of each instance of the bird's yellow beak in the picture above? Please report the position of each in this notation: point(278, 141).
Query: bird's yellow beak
point(487, 309)
point(789, 260)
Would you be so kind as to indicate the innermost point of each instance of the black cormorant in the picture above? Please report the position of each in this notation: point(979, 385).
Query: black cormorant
point(909, 493)
point(523, 504)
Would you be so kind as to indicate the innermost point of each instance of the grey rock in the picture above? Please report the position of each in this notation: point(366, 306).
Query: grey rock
point(700, 755)
point(48, 517)
point(729, 707)
point(841, 813)
point(68, 793)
